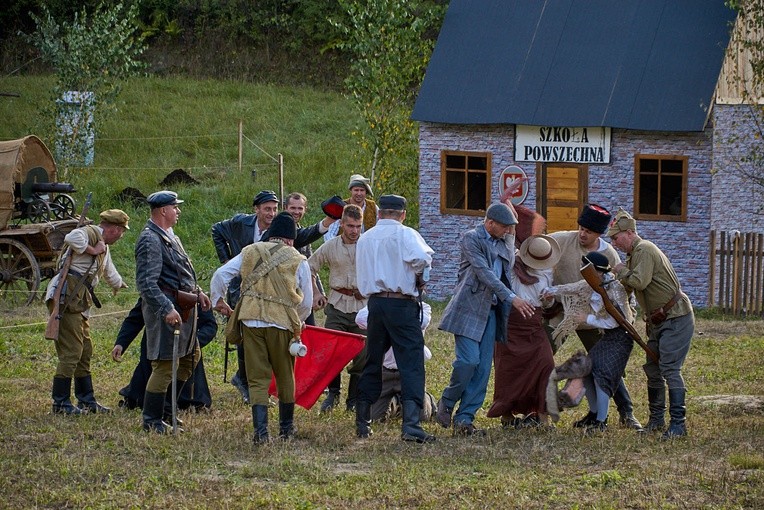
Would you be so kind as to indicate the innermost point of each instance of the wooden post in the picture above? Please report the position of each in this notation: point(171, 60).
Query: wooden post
point(281, 179)
point(736, 273)
point(759, 262)
point(241, 146)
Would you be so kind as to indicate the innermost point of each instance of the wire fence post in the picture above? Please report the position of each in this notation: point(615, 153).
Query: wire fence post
point(241, 146)
point(281, 178)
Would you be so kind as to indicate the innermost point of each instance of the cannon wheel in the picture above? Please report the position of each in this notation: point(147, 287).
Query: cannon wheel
point(39, 211)
point(63, 207)
point(19, 273)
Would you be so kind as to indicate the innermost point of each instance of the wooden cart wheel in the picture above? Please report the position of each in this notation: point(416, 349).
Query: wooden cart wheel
point(19, 273)
point(63, 206)
point(39, 211)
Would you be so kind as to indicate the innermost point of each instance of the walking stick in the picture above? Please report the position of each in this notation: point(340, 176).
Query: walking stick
point(175, 342)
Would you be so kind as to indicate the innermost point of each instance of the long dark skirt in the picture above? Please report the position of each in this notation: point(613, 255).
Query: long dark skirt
point(609, 358)
point(522, 368)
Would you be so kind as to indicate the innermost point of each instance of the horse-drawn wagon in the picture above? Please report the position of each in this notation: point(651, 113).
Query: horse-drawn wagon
point(32, 225)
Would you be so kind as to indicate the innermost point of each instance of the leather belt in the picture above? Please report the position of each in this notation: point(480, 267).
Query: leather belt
point(394, 295)
point(672, 301)
point(349, 292)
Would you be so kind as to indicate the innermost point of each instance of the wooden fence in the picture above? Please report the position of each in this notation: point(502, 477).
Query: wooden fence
point(735, 278)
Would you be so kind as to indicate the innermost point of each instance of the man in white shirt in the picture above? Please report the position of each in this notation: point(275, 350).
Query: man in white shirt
point(393, 262)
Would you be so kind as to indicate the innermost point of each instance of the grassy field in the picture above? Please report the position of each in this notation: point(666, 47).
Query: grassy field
point(107, 461)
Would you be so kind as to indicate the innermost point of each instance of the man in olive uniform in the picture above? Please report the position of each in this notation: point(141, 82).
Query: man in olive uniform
point(167, 284)
point(91, 260)
point(276, 297)
point(670, 321)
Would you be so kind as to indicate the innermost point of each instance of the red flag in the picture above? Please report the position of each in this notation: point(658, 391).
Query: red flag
point(329, 351)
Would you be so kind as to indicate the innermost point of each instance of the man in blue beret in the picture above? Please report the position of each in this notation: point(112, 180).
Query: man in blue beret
point(167, 283)
point(232, 235)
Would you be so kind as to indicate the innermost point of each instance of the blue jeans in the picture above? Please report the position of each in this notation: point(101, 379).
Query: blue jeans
point(471, 371)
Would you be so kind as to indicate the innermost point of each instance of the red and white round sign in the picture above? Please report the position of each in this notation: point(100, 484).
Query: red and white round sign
point(510, 174)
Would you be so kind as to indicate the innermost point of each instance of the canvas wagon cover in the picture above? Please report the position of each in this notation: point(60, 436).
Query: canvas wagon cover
point(23, 162)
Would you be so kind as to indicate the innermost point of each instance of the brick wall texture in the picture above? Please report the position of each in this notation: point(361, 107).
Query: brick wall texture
point(719, 200)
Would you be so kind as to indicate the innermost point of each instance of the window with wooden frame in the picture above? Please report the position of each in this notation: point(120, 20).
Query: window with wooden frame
point(660, 187)
point(465, 182)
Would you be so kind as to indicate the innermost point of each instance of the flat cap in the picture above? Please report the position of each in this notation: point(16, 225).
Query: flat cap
point(392, 202)
point(265, 196)
point(163, 198)
point(501, 213)
point(116, 217)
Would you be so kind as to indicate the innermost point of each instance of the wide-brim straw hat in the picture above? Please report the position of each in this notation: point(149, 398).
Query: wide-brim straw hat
point(540, 252)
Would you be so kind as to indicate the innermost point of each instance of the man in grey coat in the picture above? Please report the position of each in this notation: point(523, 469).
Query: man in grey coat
point(477, 314)
point(163, 272)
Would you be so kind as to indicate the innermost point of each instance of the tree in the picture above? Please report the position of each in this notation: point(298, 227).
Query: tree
point(90, 55)
point(388, 42)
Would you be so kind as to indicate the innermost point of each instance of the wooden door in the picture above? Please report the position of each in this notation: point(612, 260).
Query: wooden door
point(562, 190)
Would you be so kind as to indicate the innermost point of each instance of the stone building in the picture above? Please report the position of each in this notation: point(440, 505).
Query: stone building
point(595, 101)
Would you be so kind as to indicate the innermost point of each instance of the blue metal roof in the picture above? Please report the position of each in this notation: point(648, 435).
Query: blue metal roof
point(639, 64)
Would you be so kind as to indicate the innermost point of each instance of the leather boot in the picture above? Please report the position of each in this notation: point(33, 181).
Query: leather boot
point(241, 385)
point(443, 414)
point(363, 419)
point(677, 411)
point(167, 413)
point(412, 430)
point(330, 402)
point(286, 420)
point(656, 398)
point(586, 421)
point(62, 391)
point(260, 422)
point(352, 392)
point(153, 409)
point(83, 390)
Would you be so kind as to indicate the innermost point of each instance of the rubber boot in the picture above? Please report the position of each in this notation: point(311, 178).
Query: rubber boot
point(167, 414)
point(153, 409)
point(260, 423)
point(62, 391)
point(656, 398)
point(286, 421)
point(83, 390)
point(412, 430)
point(352, 392)
point(363, 419)
point(677, 411)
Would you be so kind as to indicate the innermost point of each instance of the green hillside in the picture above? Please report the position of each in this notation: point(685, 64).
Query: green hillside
point(166, 124)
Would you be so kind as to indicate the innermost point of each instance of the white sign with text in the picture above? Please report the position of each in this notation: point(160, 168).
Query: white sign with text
point(562, 144)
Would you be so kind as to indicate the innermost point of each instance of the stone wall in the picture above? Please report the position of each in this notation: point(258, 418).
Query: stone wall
point(736, 202)
point(611, 185)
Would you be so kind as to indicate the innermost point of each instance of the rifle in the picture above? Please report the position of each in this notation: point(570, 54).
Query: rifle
point(595, 282)
point(54, 321)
